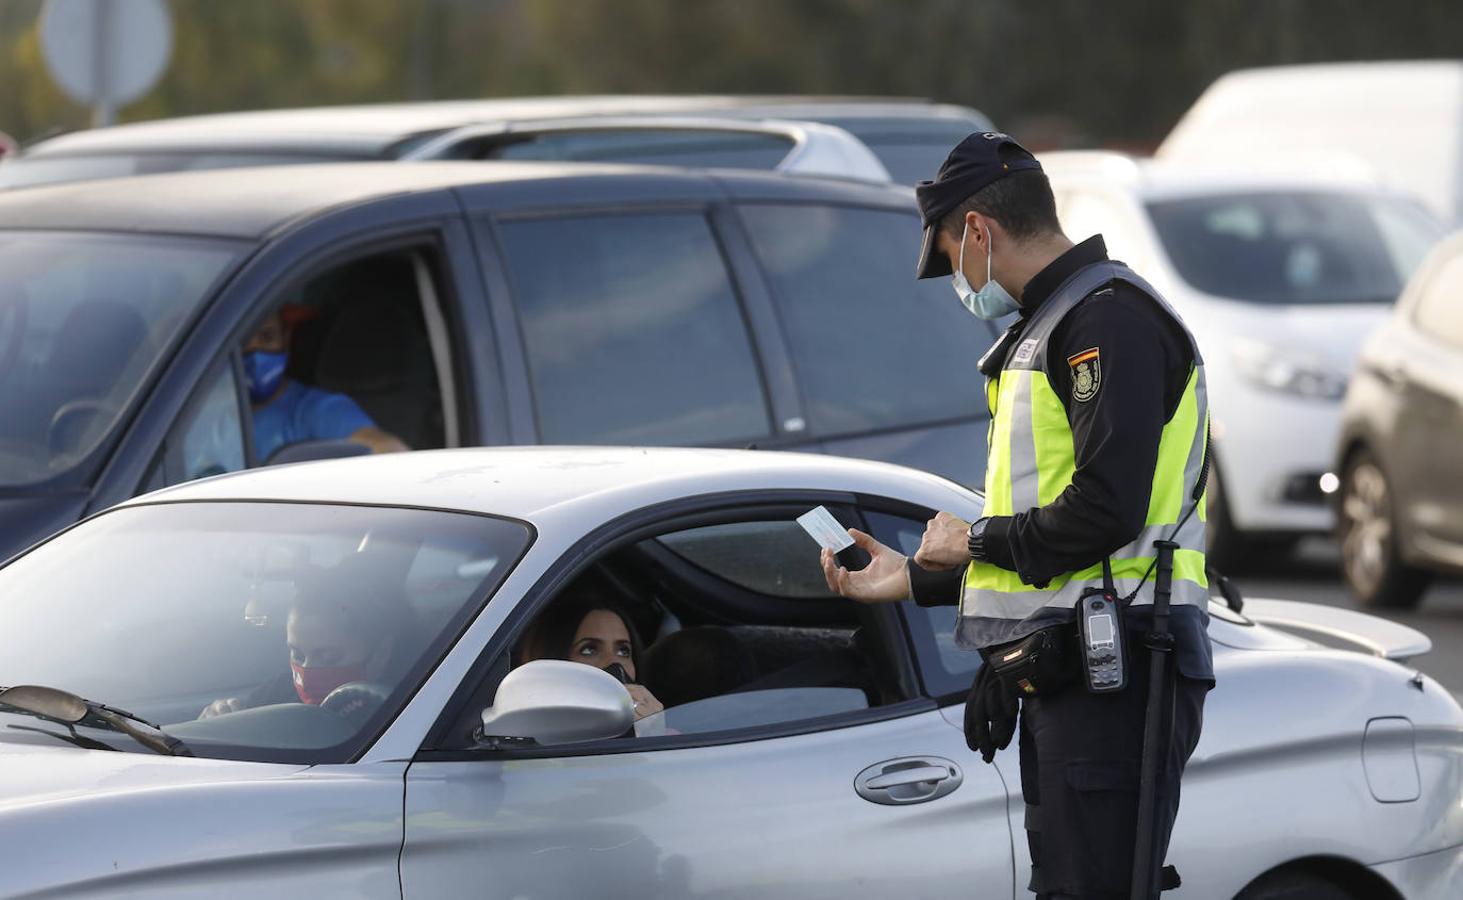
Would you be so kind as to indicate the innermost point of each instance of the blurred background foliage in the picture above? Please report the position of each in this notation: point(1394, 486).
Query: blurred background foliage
point(1057, 72)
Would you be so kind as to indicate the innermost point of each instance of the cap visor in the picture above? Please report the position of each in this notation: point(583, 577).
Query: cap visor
point(932, 263)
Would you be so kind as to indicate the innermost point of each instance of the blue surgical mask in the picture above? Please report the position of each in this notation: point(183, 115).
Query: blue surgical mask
point(264, 372)
point(990, 302)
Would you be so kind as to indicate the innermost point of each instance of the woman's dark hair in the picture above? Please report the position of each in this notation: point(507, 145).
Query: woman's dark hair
point(552, 634)
point(356, 592)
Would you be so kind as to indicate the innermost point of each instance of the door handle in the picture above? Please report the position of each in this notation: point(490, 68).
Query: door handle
point(911, 779)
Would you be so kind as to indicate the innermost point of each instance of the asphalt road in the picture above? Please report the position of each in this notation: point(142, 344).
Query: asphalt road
point(1313, 577)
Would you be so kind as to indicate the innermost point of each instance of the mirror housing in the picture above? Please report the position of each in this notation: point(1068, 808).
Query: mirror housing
point(306, 451)
point(555, 701)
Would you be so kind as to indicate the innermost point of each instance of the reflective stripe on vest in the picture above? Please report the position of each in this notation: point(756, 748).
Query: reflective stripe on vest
point(1032, 460)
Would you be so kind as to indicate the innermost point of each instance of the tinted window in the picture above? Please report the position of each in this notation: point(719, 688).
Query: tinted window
point(1440, 313)
point(945, 667)
point(777, 558)
point(83, 319)
point(167, 609)
point(1294, 247)
point(712, 149)
point(873, 347)
point(633, 332)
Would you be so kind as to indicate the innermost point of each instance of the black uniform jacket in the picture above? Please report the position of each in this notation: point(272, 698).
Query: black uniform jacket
point(1145, 363)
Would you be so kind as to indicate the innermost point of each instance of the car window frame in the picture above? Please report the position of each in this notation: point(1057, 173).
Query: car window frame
point(488, 226)
point(623, 531)
point(430, 239)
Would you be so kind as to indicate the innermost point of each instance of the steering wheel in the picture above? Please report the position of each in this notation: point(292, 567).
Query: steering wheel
point(354, 701)
point(17, 312)
point(69, 410)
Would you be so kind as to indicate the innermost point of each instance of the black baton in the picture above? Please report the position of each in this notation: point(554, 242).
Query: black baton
point(1156, 725)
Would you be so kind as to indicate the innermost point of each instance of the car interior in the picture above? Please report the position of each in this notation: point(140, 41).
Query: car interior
point(740, 631)
point(361, 330)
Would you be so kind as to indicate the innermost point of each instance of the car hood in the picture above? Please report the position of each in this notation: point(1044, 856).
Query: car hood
point(1330, 333)
point(43, 775)
point(26, 519)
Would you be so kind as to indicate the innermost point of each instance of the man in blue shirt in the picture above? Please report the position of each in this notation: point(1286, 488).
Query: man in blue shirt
point(287, 412)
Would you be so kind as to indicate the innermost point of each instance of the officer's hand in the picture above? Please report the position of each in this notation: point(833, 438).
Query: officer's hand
point(990, 715)
point(883, 580)
point(946, 543)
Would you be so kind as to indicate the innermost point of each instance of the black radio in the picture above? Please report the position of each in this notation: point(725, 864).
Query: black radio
point(1100, 633)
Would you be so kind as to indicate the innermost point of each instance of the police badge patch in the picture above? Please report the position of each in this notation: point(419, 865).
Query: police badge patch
point(1086, 374)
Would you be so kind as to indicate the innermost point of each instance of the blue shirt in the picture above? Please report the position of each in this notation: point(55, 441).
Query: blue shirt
point(304, 413)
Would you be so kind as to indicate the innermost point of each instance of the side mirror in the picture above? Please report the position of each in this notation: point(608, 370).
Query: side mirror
point(555, 701)
point(305, 451)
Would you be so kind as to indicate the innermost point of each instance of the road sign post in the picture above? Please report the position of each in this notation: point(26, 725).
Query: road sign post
point(106, 53)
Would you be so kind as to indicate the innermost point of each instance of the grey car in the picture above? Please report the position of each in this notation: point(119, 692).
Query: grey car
point(1401, 484)
point(461, 304)
point(816, 753)
point(909, 136)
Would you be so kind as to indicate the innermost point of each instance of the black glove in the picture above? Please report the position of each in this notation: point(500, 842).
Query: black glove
point(990, 715)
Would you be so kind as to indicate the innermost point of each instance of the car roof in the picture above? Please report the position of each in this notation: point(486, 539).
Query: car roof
point(371, 130)
point(1156, 179)
point(529, 482)
point(255, 202)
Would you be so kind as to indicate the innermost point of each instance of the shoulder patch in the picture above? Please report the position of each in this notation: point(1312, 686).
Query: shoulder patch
point(1086, 374)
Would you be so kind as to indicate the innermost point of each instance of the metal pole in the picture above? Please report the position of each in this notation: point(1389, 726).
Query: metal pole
point(1156, 724)
point(104, 112)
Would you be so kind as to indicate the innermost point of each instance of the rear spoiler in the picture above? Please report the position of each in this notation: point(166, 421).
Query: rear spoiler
point(1376, 635)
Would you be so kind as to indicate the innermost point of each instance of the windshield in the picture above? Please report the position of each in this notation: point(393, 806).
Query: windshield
point(1294, 247)
point(253, 631)
point(83, 318)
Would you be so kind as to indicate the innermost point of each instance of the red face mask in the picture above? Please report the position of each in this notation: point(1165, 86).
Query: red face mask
point(314, 683)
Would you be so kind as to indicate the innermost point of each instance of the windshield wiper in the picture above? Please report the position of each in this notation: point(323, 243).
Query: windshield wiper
point(70, 710)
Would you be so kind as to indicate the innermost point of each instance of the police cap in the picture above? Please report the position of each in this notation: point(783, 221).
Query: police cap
point(980, 159)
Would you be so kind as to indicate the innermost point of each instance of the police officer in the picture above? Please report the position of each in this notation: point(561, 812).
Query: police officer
point(1097, 449)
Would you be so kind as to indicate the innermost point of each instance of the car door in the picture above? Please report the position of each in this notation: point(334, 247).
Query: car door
point(1430, 471)
point(886, 365)
point(776, 792)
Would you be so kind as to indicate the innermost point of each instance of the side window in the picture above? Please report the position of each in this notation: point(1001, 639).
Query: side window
point(351, 355)
point(873, 347)
point(633, 332)
point(1440, 313)
point(718, 628)
point(945, 667)
point(209, 437)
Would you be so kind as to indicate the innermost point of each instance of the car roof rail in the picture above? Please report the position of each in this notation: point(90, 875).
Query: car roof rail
point(819, 150)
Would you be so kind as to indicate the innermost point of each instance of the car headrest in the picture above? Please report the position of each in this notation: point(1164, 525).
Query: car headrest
point(696, 663)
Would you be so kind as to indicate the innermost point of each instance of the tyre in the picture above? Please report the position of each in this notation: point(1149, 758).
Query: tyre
point(1293, 886)
point(1371, 562)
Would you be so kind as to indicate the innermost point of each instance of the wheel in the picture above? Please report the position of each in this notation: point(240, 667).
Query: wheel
point(1293, 886)
point(1367, 529)
point(355, 701)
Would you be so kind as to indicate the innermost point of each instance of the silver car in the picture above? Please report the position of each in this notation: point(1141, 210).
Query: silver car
point(318, 679)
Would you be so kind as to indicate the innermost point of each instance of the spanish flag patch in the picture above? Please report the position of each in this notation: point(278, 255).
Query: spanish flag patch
point(1086, 374)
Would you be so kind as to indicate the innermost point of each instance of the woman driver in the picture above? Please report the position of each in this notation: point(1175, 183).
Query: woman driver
point(583, 626)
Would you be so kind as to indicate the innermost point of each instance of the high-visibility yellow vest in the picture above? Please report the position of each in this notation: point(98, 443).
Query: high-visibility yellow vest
point(1032, 459)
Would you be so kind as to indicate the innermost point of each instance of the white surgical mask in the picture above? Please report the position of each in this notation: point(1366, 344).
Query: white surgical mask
point(990, 302)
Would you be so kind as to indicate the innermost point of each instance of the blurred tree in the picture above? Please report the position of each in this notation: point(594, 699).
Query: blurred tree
point(1077, 71)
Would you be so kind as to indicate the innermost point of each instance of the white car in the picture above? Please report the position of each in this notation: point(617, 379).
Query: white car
point(1281, 278)
point(465, 765)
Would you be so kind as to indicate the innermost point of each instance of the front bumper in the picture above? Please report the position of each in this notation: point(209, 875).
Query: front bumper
point(1272, 450)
